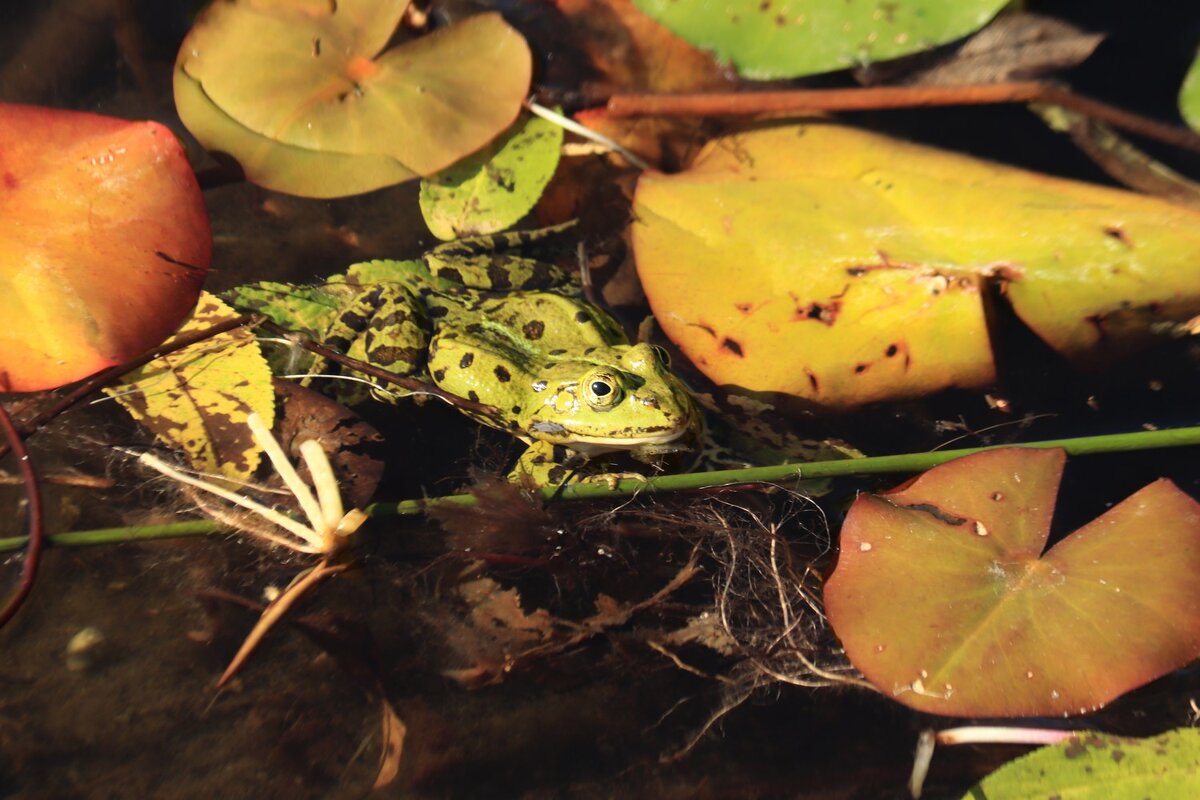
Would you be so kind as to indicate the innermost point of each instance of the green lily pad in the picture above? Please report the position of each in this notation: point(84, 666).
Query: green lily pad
point(766, 39)
point(490, 190)
point(1189, 95)
point(268, 82)
point(944, 600)
point(1094, 766)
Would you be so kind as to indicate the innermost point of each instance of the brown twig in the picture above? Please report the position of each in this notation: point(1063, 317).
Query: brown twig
point(33, 549)
point(100, 379)
point(412, 384)
point(884, 97)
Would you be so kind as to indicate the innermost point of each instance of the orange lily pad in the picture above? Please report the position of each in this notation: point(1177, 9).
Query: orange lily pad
point(300, 94)
point(845, 267)
point(104, 243)
point(944, 600)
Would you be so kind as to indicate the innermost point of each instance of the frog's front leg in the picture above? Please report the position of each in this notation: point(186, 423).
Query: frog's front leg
point(546, 464)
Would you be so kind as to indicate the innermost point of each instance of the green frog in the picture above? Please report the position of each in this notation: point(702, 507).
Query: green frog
point(491, 327)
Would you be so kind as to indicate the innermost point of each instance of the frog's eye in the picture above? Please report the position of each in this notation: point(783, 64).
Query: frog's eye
point(662, 354)
point(601, 390)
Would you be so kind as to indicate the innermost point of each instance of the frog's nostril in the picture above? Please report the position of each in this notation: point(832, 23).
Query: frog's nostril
point(650, 402)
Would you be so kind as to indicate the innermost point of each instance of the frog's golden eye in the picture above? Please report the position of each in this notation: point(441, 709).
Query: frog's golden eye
point(662, 354)
point(601, 389)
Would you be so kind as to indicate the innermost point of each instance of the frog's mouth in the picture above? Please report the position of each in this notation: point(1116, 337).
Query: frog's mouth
point(631, 440)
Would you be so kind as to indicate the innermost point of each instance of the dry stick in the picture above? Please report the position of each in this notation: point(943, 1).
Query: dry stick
point(31, 426)
point(33, 548)
point(884, 97)
point(412, 384)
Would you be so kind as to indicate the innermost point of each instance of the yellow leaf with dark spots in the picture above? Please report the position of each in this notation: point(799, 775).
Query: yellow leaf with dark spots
point(197, 399)
point(845, 267)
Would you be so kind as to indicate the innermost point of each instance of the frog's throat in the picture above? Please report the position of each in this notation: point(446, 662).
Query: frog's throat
point(597, 445)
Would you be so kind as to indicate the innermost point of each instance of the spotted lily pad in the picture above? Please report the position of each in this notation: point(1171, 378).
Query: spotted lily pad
point(492, 189)
point(944, 600)
point(1095, 766)
point(104, 243)
point(300, 94)
point(788, 38)
point(844, 267)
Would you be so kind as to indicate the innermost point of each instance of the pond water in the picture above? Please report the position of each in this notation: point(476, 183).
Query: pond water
point(590, 698)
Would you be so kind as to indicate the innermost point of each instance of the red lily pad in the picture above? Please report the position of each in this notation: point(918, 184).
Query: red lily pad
point(104, 242)
point(944, 600)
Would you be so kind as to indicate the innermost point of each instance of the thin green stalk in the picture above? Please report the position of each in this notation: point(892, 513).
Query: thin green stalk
point(816, 470)
point(783, 474)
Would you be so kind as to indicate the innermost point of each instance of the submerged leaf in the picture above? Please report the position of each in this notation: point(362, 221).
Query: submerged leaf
point(844, 267)
point(944, 600)
point(789, 38)
point(301, 96)
point(197, 399)
point(1095, 766)
point(492, 189)
point(104, 243)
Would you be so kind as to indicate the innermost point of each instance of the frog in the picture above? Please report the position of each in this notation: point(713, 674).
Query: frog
point(511, 336)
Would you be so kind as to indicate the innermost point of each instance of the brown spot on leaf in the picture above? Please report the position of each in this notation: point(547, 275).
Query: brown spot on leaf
point(861, 368)
point(825, 313)
point(891, 351)
point(732, 346)
point(812, 379)
point(1118, 233)
point(11, 181)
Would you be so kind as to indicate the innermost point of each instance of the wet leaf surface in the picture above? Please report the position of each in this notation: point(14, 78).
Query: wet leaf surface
point(943, 598)
point(88, 203)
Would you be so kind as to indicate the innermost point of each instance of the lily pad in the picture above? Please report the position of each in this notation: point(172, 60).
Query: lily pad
point(300, 94)
point(104, 243)
point(766, 39)
point(492, 189)
point(944, 600)
point(845, 267)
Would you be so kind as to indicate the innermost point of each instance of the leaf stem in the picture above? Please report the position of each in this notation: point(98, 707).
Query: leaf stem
point(785, 473)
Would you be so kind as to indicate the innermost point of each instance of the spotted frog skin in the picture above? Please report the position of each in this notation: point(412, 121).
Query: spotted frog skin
point(508, 332)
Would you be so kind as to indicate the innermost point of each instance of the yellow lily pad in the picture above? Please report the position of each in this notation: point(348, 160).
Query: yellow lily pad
point(845, 267)
point(197, 399)
point(268, 81)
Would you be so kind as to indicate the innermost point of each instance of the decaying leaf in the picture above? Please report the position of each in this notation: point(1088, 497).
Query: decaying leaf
point(346, 438)
point(197, 399)
point(844, 267)
point(944, 600)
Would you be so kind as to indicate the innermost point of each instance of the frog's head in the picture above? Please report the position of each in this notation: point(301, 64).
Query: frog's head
point(622, 397)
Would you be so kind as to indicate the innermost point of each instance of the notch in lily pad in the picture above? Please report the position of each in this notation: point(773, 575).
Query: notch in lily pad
point(944, 600)
point(304, 97)
point(104, 243)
